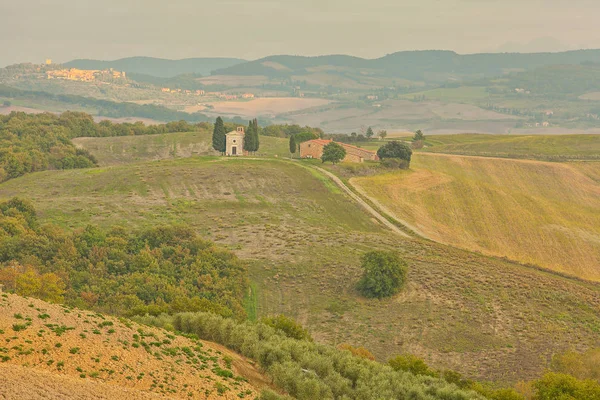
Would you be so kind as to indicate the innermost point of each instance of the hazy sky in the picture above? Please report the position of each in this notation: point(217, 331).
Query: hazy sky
point(32, 30)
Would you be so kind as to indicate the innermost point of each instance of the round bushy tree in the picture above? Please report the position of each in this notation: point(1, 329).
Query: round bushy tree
point(384, 274)
point(396, 150)
point(333, 152)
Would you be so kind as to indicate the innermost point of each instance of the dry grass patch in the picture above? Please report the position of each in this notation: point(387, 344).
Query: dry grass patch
point(540, 213)
point(67, 345)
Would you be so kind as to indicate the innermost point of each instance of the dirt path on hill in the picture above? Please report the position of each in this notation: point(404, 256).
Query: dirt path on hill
point(363, 203)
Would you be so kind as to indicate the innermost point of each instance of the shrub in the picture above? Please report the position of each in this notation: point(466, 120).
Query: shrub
point(384, 274)
point(562, 386)
point(288, 326)
point(412, 364)
point(395, 163)
point(357, 351)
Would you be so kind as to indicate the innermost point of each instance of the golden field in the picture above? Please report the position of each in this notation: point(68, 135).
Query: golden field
point(533, 212)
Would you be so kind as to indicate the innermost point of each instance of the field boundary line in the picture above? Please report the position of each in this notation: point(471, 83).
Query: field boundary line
point(363, 203)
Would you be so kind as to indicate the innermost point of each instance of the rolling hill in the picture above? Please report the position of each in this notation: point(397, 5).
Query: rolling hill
point(52, 351)
point(535, 212)
point(158, 67)
point(302, 238)
point(541, 147)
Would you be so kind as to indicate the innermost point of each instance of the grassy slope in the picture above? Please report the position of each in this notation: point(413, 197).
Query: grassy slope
point(536, 146)
point(535, 212)
point(84, 351)
point(127, 149)
point(303, 240)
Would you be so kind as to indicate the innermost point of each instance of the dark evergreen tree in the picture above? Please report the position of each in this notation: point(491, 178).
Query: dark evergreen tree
point(218, 138)
point(292, 145)
point(255, 133)
point(369, 133)
point(418, 136)
point(249, 138)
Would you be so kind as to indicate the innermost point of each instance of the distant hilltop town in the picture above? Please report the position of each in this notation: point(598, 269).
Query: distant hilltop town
point(84, 75)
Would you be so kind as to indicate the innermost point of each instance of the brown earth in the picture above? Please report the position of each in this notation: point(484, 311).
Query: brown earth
point(51, 351)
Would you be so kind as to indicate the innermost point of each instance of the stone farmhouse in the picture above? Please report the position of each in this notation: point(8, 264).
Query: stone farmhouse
point(314, 149)
point(234, 142)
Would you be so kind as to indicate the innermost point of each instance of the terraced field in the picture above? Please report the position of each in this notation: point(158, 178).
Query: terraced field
point(302, 238)
point(534, 212)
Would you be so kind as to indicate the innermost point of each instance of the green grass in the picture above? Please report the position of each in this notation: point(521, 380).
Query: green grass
point(303, 238)
point(544, 147)
point(128, 149)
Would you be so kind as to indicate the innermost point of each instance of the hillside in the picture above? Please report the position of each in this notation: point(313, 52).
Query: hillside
point(430, 66)
point(51, 351)
point(158, 67)
point(128, 149)
point(535, 212)
point(553, 81)
point(541, 147)
point(302, 238)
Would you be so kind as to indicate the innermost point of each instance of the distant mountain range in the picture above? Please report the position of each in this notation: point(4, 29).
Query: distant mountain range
point(159, 67)
point(429, 66)
point(434, 66)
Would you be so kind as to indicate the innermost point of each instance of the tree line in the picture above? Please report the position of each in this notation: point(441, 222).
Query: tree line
point(307, 370)
point(37, 142)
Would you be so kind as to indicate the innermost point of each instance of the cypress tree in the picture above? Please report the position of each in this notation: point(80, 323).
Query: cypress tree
point(249, 138)
point(255, 133)
point(292, 145)
point(218, 138)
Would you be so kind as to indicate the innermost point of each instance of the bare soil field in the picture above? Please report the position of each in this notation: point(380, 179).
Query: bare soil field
point(394, 115)
point(591, 96)
point(233, 80)
point(265, 106)
point(82, 351)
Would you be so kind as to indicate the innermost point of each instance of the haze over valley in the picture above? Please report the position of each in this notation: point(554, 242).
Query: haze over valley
point(276, 200)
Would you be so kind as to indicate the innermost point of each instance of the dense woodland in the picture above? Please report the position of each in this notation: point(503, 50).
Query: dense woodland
point(164, 269)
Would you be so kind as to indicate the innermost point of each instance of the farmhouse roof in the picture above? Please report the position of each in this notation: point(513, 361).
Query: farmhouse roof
point(324, 142)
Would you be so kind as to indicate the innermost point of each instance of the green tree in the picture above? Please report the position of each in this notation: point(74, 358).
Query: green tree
point(418, 136)
point(218, 138)
point(293, 145)
point(554, 386)
point(255, 133)
point(382, 134)
point(384, 274)
point(249, 138)
point(412, 364)
point(333, 152)
point(369, 133)
point(287, 325)
point(395, 151)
